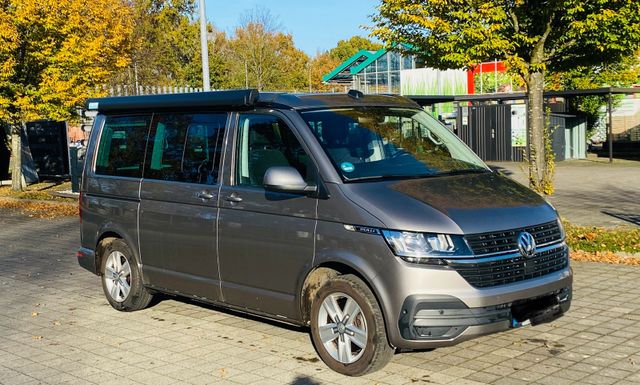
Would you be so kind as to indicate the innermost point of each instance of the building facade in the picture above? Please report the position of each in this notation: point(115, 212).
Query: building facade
point(373, 72)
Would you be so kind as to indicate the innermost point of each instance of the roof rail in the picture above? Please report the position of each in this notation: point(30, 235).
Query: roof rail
point(236, 99)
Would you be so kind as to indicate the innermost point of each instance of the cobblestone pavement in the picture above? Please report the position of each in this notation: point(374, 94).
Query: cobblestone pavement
point(56, 327)
point(591, 193)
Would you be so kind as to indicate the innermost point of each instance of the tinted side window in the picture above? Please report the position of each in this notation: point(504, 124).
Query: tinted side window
point(186, 148)
point(265, 141)
point(121, 149)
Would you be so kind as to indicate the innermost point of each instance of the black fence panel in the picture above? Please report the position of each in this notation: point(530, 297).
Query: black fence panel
point(487, 130)
point(557, 125)
point(49, 149)
point(5, 155)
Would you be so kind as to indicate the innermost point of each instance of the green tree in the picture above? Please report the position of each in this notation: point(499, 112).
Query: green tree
point(320, 65)
point(347, 48)
point(165, 48)
point(533, 36)
point(624, 73)
point(165, 45)
point(54, 54)
point(263, 57)
point(219, 61)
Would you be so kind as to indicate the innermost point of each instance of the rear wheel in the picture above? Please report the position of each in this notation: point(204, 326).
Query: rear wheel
point(121, 279)
point(347, 327)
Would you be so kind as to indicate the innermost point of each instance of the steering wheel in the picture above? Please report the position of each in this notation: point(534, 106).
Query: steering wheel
point(203, 169)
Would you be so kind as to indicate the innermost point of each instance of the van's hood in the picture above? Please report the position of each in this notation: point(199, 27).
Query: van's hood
point(457, 204)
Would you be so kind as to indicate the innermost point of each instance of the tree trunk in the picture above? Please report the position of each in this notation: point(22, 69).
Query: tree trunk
point(535, 117)
point(17, 180)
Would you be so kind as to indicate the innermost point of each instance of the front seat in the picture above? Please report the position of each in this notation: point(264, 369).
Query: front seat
point(264, 154)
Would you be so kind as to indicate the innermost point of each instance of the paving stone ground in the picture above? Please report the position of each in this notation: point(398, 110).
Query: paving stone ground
point(56, 327)
point(590, 192)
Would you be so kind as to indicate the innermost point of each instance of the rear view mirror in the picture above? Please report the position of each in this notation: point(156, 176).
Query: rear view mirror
point(286, 179)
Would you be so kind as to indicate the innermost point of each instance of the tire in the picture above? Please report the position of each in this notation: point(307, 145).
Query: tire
point(122, 283)
point(339, 344)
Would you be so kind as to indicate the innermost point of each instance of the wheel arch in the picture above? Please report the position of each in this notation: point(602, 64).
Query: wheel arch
point(112, 232)
point(321, 274)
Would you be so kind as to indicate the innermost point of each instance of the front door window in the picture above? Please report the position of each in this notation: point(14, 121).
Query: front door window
point(265, 141)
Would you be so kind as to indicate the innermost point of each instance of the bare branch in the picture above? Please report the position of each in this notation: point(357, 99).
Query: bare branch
point(554, 50)
point(538, 51)
point(260, 15)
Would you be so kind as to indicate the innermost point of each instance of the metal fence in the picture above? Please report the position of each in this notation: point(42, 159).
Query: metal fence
point(130, 90)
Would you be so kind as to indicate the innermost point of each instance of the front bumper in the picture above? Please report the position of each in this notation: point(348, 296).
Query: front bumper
point(442, 302)
point(445, 320)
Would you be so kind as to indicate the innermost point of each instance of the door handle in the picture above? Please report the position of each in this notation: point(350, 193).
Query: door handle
point(205, 195)
point(233, 198)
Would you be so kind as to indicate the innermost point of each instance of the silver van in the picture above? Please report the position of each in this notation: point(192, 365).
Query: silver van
point(359, 216)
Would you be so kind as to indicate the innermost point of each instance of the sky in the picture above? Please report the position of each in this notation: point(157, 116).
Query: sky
point(316, 25)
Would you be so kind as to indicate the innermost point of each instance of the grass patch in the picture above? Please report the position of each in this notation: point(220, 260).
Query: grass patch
point(598, 239)
point(34, 209)
point(39, 191)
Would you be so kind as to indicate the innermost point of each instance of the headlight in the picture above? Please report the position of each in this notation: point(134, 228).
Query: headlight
point(425, 248)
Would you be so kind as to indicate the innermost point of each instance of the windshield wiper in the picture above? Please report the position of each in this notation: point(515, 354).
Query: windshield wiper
point(418, 176)
point(388, 177)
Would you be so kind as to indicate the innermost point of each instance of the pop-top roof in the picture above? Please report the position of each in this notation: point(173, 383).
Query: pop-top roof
point(240, 100)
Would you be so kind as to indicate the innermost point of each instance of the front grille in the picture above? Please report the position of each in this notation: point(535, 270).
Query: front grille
point(503, 241)
point(501, 271)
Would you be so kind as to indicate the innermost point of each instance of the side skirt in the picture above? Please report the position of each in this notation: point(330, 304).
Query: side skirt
point(226, 306)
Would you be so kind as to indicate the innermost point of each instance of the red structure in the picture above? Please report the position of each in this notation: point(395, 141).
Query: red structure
point(493, 66)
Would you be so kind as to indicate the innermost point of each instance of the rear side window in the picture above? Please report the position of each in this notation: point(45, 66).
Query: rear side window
point(186, 148)
point(121, 149)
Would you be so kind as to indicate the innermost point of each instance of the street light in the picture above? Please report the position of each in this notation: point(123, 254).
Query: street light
point(204, 49)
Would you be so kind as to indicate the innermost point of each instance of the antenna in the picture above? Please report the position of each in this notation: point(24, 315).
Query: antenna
point(355, 94)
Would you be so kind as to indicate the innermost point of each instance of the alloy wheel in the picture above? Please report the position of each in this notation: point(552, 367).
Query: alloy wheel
point(117, 276)
point(342, 328)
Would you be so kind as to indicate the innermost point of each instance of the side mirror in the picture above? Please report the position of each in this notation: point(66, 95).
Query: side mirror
point(286, 179)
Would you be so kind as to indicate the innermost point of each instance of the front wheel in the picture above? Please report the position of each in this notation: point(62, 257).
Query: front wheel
point(347, 327)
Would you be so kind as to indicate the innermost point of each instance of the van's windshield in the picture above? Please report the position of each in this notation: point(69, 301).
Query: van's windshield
point(367, 143)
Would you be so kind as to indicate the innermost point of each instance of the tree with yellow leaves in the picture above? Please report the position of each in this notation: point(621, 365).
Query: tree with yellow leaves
point(54, 54)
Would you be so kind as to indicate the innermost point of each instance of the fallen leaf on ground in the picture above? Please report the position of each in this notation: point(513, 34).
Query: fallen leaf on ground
point(604, 257)
point(37, 209)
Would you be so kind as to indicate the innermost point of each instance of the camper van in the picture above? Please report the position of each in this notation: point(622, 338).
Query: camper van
point(358, 216)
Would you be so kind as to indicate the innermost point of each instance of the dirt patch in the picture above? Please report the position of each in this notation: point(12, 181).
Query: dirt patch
point(305, 359)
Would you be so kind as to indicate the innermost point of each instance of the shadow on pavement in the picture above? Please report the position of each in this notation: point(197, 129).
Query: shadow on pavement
point(632, 218)
point(304, 380)
point(608, 198)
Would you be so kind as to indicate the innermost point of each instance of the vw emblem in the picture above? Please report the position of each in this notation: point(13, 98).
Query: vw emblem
point(526, 244)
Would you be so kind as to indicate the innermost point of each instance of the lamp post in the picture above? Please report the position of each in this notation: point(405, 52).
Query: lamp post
point(204, 49)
